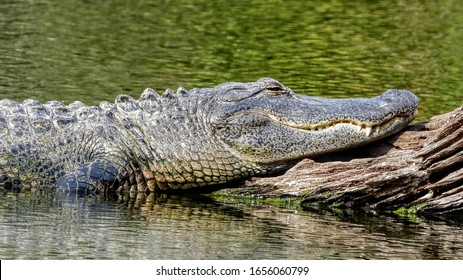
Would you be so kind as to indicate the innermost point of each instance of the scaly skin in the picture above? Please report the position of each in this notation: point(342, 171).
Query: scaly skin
point(186, 139)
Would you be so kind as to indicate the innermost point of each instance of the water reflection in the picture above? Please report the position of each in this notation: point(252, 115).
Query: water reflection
point(44, 225)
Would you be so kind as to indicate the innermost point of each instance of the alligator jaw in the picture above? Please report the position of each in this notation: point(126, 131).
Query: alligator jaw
point(368, 129)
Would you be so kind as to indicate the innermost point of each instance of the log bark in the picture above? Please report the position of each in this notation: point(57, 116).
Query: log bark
point(421, 168)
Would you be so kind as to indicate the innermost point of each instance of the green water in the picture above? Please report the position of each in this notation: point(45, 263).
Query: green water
point(70, 50)
point(92, 51)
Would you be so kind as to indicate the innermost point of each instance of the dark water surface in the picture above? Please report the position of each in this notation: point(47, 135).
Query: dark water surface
point(92, 51)
point(174, 227)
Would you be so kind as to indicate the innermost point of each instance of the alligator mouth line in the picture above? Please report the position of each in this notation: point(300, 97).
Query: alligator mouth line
point(360, 127)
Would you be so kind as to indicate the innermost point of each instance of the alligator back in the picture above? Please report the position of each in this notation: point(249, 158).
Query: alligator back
point(36, 143)
point(158, 141)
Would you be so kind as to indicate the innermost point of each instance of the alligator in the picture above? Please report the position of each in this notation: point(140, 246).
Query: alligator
point(185, 139)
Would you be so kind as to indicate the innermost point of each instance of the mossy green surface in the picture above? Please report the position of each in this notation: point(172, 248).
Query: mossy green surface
point(410, 212)
point(283, 202)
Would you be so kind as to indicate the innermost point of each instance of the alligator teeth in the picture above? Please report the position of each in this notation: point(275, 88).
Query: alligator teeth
point(359, 128)
point(368, 130)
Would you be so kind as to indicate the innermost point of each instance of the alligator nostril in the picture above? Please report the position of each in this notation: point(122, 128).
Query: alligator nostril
point(392, 93)
point(399, 95)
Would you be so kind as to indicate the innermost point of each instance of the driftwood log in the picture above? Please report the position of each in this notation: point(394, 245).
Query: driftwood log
point(419, 169)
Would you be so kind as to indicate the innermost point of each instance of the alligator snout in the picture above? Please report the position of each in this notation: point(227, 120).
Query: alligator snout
point(399, 100)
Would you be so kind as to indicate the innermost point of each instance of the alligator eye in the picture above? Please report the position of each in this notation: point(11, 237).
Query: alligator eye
point(275, 90)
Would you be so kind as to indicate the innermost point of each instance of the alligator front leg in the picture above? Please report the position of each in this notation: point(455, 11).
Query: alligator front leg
point(90, 178)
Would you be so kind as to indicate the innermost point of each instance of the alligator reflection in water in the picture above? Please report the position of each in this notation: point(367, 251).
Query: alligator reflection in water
point(173, 227)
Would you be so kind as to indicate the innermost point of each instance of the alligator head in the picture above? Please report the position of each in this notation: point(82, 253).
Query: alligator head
point(265, 122)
